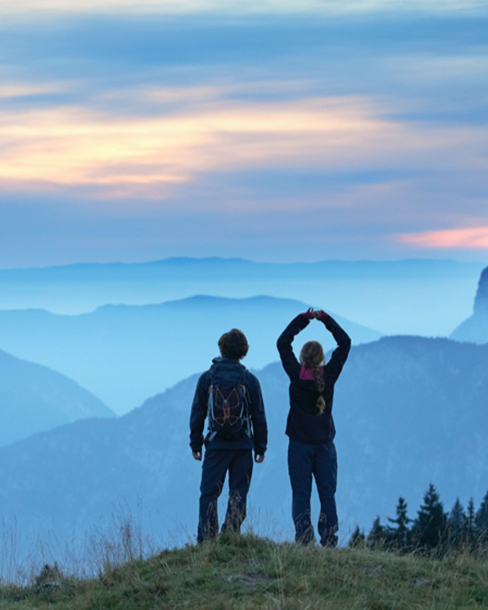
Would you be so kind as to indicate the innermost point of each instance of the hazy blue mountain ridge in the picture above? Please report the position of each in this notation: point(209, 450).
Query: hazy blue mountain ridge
point(125, 353)
point(189, 268)
point(475, 328)
point(408, 410)
point(406, 296)
point(34, 398)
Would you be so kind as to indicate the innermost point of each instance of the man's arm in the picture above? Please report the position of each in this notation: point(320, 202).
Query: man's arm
point(198, 415)
point(258, 418)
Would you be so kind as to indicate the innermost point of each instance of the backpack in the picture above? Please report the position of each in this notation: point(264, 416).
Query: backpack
point(228, 410)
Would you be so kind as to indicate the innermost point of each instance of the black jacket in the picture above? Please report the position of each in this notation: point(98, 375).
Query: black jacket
point(235, 371)
point(305, 424)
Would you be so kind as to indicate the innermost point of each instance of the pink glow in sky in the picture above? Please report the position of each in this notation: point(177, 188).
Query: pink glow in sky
point(475, 238)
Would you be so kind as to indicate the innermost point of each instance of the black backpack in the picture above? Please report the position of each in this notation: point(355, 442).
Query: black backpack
point(228, 410)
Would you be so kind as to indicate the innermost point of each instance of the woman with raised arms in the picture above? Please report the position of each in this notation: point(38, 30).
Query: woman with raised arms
point(310, 426)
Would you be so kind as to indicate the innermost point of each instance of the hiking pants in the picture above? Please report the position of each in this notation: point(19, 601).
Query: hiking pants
point(319, 461)
point(216, 463)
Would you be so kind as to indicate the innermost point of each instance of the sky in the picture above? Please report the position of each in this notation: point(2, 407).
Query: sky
point(291, 130)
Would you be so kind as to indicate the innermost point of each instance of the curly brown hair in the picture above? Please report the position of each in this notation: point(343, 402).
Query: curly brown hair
point(233, 344)
point(312, 357)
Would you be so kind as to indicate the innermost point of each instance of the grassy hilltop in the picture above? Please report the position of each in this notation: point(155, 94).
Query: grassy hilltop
point(250, 573)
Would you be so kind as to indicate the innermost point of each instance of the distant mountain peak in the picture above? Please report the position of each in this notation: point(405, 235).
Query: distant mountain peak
point(192, 260)
point(475, 328)
point(481, 299)
point(204, 300)
point(35, 398)
point(252, 300)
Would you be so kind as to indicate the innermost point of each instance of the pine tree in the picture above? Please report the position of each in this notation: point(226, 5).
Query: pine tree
point(399, 536)
point(430, 527)
point(455, 524)
point(377, 536)
point(358, 538)
point(481, 520)
point(470, 533)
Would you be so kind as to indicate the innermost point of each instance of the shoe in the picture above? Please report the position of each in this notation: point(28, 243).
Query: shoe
point(307, 537)
point(330, 541)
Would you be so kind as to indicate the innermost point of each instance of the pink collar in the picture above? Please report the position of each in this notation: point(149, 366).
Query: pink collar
point(306, 373)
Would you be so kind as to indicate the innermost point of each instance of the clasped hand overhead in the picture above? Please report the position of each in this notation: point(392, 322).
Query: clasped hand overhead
point(317, 314)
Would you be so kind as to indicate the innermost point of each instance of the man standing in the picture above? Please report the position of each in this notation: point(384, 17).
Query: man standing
point(231, 398)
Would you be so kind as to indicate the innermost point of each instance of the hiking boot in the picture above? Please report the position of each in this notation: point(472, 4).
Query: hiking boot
point(330, 541)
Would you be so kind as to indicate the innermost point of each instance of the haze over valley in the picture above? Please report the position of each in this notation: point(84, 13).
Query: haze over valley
point(125, 353)
point(424, 297)
point(409, 410)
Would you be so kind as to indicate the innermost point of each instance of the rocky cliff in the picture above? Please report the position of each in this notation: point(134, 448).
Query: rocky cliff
point(475, 328)
point(481, 300)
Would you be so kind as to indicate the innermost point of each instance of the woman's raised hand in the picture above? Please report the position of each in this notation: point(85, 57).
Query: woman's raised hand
point(319, 314)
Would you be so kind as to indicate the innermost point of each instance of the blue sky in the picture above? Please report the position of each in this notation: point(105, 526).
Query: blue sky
point(285, 131)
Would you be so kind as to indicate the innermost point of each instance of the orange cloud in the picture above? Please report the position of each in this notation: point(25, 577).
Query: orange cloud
point(475, 238)
point(194, 130)
point(76, 146)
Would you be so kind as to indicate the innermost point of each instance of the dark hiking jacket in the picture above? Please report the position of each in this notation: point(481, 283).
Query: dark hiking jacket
point(230, 370)
point(305, 424)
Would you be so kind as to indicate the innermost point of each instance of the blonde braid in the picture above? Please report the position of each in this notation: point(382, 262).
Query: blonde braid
point(319, 380)
point(312, 356)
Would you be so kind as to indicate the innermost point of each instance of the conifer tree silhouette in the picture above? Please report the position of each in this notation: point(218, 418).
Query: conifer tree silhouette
point(470, 537)
point(432, 531)
point(481, 520)
point(399, 536)
point(456, 521)
point(377, 536)
point(357, 539)
point(430, 527)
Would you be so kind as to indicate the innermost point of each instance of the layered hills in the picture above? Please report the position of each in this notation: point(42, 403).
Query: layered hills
point(408, 410)
point(426, 297)
point(123, 354)
point(34, 398)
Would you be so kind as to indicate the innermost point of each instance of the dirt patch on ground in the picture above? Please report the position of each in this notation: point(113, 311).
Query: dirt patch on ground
point(253, 579)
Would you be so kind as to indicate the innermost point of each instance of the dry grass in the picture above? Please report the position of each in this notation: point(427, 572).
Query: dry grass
point(248, 572)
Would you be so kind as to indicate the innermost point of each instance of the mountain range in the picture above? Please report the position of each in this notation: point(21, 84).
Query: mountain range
point(405, 296)
point(125, 353)
point(34, 398)
point(408, 410)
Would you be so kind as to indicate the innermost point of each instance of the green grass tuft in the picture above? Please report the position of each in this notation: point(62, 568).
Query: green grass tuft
point(247, 572)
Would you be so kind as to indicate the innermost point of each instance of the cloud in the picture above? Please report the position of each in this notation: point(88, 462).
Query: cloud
point(71, 145)
point(474, 238)
point(203, 129)
point(336, 129)
point(15, 90)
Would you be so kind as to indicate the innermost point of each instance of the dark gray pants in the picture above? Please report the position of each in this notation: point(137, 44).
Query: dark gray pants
point(319, 461)
point(216, 464)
